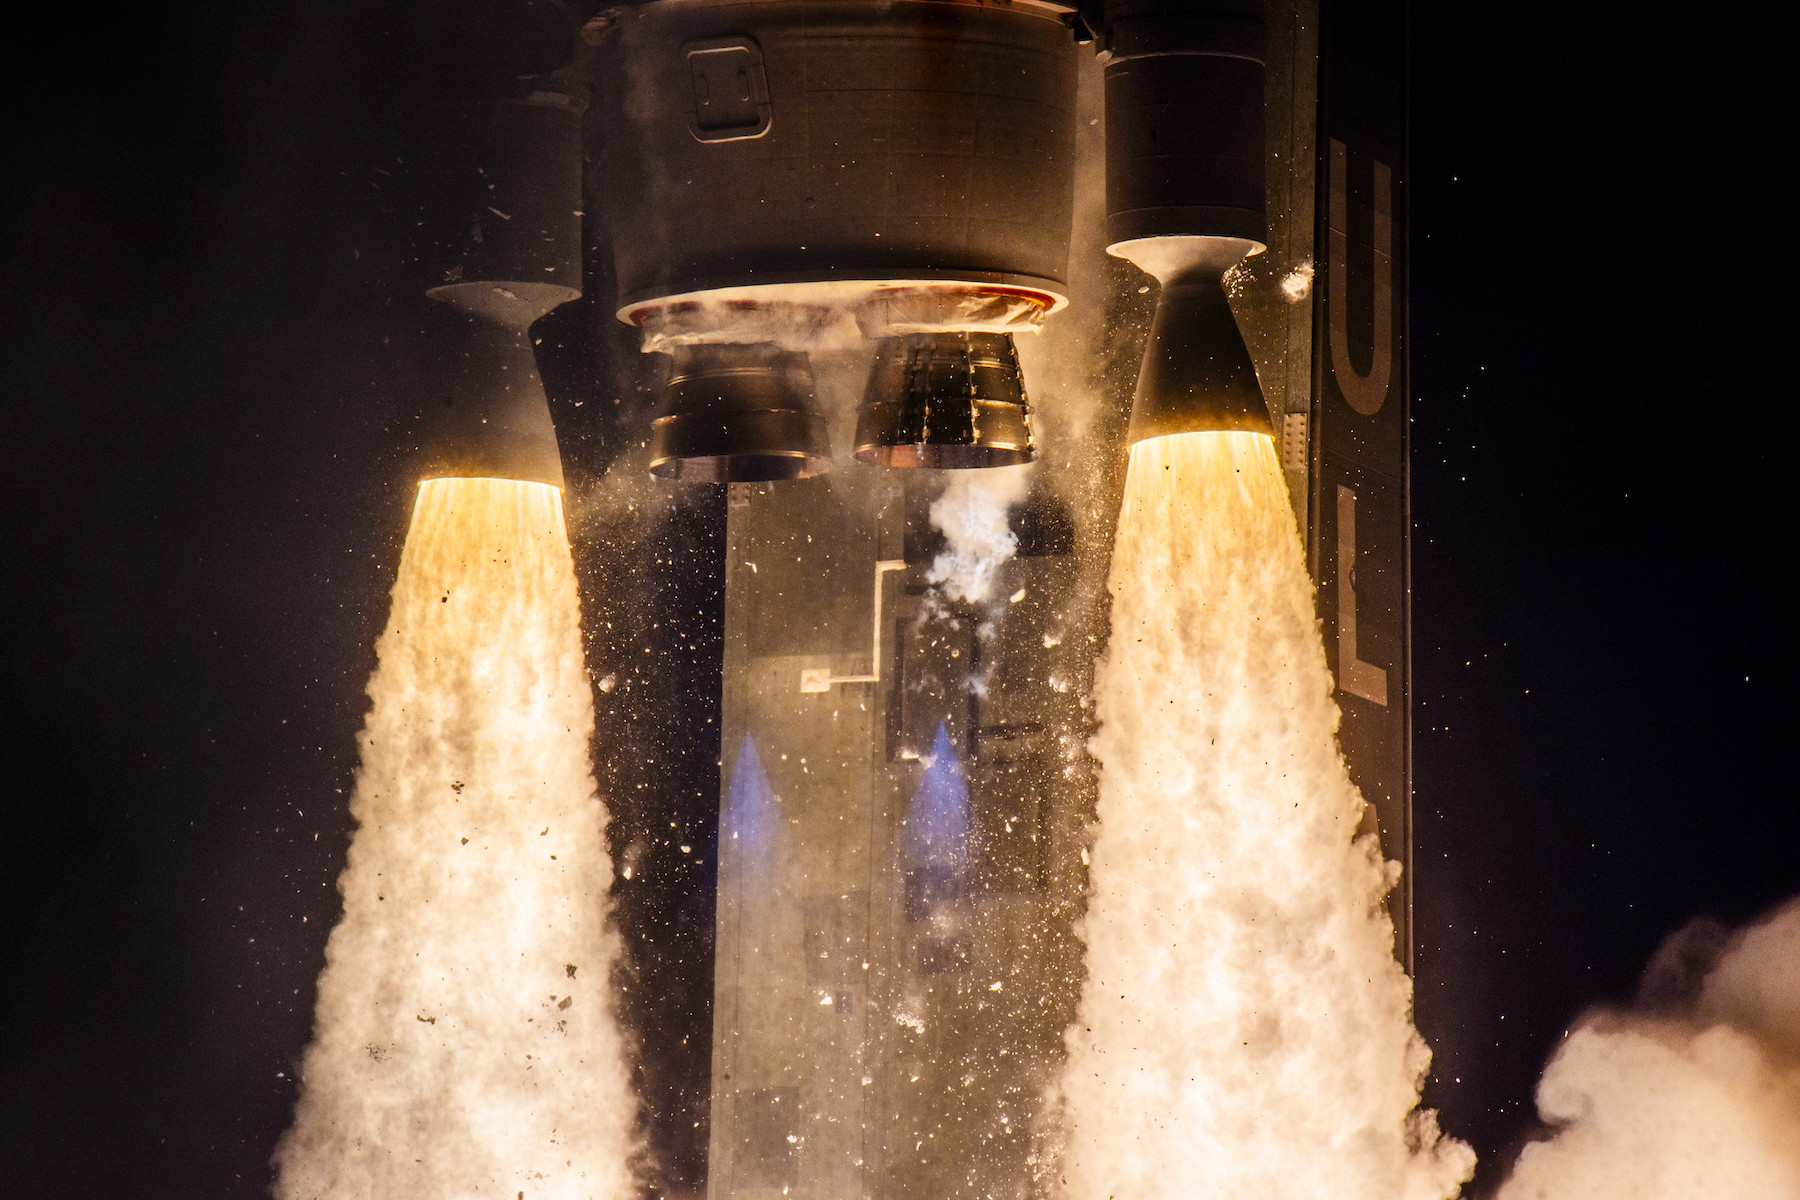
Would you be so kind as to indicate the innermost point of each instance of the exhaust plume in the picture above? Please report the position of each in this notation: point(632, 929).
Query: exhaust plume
point(1696, 1096)
point(464, 1042)
point(1244, 1029)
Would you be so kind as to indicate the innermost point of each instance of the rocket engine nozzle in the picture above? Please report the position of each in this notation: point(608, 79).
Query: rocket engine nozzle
point(496, 418)
point(945, 400)
point(516, 256)
point(739, 414)
point(1196, 374)
point(909, 164)
point(1185, 197)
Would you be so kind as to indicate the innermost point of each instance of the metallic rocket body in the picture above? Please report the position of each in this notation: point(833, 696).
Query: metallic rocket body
point(883, 1020)
point(786, 173)
point(905, 791)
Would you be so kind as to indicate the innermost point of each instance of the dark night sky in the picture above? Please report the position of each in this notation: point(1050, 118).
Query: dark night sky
point(202, 499)
point(1604, 654)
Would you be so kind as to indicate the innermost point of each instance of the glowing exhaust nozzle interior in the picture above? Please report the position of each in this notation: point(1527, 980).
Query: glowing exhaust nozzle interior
point(739, 414)
point(945, 400)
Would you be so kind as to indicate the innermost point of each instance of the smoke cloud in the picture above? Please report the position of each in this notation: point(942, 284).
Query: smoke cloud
point(1695, 1095)
point(1244, 1030)
point(464, 1041)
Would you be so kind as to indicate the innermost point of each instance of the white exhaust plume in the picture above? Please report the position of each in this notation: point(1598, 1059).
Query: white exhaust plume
point(1698, 1099)
point(972, 516)
point(464, 1043)
point(1244, 1030)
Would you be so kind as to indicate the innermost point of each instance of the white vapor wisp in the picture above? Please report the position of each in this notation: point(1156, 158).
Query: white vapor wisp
point(972, 514)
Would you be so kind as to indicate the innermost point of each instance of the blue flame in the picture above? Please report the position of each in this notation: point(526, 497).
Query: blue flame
point(752, 815)
point(937, 824)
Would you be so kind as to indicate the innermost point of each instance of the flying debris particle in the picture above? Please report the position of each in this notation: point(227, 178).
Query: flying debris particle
point(1296, 285)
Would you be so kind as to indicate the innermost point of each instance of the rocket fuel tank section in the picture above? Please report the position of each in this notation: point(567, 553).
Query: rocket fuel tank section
point(773, 143)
